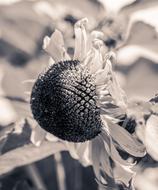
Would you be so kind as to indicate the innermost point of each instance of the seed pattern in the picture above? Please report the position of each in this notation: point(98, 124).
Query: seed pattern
point(63, 102)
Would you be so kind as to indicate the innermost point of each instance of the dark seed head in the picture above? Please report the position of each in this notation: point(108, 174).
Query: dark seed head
point(63, 102)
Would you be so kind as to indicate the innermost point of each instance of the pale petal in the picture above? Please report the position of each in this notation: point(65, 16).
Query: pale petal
point(51, 61)
point(117, 93)
point(124, 174)
point(151, 136)
point(102, 77)
point(126, 140)
point(80, 39)
point(101, 164)
point(96, 150)
point(54, 46)
point(105, 161)
point(116, 156)
point(83, 153)
point(51, 137)
point(72, 149)
point(96, 35)
point(29, 81)
point(113, 152)
point(37, 136)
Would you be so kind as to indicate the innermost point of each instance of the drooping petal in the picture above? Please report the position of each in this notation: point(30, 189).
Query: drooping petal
point(116, 156)
point(126, 140)
point(112, 110)
point(83, 153)
point(80, 39)
point(105, 162)
point(101, 164)
point(124, 175)
point(96, 150)
point(54, 46)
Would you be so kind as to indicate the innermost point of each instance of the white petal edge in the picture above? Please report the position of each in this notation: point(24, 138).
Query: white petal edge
point(54, 46)
point(37, 136)
point(125, 139)
point(80, 39)
point(151, 136)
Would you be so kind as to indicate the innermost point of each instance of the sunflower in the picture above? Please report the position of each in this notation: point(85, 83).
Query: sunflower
point(79, 100)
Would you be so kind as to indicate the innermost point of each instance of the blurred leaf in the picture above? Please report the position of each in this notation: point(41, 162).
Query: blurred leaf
point(146, 36)
point(28, 154)
point(16, 21)
point(115, 6)
point(23, 185)
point(137, 6)
point(18, 137)
point(142, 34)
point(7, 112)
point(147, 179)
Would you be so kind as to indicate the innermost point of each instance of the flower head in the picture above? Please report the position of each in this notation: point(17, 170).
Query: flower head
point(79, 99)
point(66, 100)
point(64, 104)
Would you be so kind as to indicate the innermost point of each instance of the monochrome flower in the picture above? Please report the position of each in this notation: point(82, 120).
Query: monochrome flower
point(80, 101)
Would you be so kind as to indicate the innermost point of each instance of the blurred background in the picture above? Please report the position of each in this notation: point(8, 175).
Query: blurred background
point(131, 30)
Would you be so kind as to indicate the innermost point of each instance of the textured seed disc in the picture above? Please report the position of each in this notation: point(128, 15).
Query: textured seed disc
point(63, 102)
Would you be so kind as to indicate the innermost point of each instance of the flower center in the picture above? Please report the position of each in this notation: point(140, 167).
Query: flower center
point(63, 102)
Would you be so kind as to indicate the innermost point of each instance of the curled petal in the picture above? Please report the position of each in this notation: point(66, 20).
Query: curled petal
point(54, 46)
point(80, 39)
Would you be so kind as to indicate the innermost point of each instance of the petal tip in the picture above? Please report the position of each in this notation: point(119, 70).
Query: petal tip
point(81, 22)
point(46, 42)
